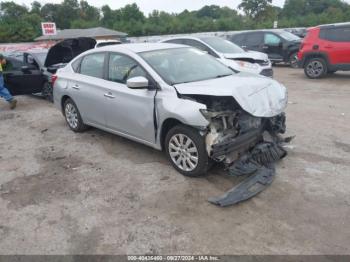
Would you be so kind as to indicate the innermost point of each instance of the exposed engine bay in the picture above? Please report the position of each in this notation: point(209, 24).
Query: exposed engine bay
point(247, 145)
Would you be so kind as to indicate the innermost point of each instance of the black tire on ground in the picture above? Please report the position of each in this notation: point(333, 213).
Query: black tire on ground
point(199, 167)
point(293, 60)
point(315, 68)
point(47, 92)
point(73, 117)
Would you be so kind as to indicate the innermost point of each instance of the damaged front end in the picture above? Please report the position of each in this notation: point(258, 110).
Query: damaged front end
point(247, 145)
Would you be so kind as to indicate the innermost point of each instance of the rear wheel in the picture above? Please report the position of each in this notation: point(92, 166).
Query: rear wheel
point(186, 150)
point(293, 60)
point(315, 68)
point(73, 117)
point(47, 91)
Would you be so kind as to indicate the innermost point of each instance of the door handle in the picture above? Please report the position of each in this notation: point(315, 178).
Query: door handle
point(109, 95)
point(265, 47)
point(328, 46)
point(244, 46)
point(76, 86)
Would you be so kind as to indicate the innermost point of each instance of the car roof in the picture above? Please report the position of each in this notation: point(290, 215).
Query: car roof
point(37, 51)
point(334, 25)
point(140, 47)
point(200, 38)
point(107, 40)
point(260, 31)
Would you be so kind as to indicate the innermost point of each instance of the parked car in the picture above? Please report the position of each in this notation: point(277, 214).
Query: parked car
point(102, 43)
point(300, 32)
point(325, 49)
point(279, 45)
point(180, 100)
point(21, 78)
point(228, 53)
point(32, 70)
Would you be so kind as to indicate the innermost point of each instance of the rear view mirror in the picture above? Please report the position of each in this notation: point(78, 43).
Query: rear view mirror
point(138, 82)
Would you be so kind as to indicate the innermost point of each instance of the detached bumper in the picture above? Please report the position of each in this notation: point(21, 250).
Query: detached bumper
point(250, 187)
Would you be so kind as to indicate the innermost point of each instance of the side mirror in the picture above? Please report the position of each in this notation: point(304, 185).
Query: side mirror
point(138, 82)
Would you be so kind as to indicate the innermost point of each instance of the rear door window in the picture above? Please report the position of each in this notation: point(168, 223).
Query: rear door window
point(200, 46)
point(93, 65)
point(253, 39)
point(341, 34)
point(238, 39)
point(272, 39)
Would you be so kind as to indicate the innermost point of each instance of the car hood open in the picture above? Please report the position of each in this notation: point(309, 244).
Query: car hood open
point(66, 50)
point(259, 96)
point(247, 55)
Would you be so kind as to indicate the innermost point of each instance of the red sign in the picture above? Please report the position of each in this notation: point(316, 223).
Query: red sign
point(48, 28)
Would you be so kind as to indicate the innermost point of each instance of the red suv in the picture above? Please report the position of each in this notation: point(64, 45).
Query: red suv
point(325, 49)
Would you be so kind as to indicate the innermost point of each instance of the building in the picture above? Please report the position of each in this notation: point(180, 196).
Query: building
point(99, 33)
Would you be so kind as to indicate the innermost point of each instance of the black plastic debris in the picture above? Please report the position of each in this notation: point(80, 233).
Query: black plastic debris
point(244, 166)
point(259, 165)
point(250, 187)
point(267, 153)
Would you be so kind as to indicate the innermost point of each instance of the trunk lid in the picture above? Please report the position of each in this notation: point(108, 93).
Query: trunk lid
point(64, 51)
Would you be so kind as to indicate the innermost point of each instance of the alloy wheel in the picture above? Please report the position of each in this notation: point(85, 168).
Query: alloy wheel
point(315, 69)
point(71, 115)
point(183, 152)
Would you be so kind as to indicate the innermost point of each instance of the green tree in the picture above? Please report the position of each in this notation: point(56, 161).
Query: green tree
point(254, 8)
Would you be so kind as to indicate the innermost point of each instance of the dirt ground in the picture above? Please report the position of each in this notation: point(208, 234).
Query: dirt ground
point(96, 193)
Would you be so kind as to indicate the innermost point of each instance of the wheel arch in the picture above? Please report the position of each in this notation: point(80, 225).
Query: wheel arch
point(63, 100)
point(167, 124)
point(322, 55)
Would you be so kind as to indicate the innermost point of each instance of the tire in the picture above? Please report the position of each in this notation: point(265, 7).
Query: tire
point(47, 92)
point(293, 60)
point(73, 117)
point(195, 152)
point(315, 68)
point(331, 72)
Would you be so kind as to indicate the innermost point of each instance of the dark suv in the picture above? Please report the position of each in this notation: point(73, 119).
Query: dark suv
point(279, 45)
point(325, 49)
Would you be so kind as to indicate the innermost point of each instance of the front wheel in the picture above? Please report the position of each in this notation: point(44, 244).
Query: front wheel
point(315, 68)
point(186, 150)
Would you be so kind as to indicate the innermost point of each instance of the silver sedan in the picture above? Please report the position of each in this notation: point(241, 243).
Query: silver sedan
point(173, 98)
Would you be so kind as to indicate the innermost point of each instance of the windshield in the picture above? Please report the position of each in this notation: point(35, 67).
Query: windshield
point(289, 36)
point(222, 46)
point(184, 65)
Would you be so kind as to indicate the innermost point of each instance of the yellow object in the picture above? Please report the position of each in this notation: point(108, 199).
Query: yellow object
point(0, 67)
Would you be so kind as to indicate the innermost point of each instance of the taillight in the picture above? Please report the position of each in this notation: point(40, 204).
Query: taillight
point(53, 80)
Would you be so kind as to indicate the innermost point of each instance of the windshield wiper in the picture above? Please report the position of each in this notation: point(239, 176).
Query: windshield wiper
point(220, 76)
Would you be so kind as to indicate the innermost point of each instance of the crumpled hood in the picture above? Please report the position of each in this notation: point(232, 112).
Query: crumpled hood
point(259, 96)
point(249, 54)
point(66, 50)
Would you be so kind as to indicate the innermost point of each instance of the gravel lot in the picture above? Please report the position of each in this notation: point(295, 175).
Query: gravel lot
point(96, 193)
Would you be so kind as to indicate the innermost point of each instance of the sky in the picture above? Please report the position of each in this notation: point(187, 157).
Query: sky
point(147, 6)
